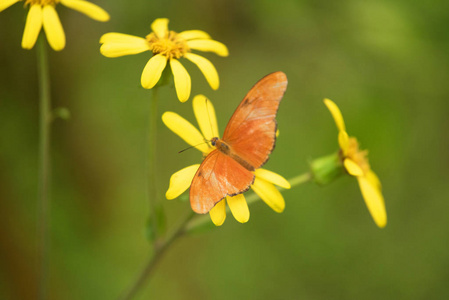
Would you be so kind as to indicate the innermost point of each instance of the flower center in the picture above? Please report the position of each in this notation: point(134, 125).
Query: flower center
point(360, 157)
point(41, 2)
point(171, 46)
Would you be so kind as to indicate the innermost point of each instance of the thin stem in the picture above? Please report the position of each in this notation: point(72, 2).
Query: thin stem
point(300, 179)
point(44, 166)
point(297, 180)
point(151, 162)
point(161, 247)
point(252, 198)
point(187, 226)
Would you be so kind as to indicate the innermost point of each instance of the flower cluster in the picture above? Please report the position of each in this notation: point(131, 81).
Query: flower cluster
point(167, 48)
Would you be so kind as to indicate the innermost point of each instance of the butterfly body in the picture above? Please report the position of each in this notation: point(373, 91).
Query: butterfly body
point(247, 142)
point(227, 150)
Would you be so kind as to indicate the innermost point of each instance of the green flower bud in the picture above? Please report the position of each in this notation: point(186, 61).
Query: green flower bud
point(326, 169)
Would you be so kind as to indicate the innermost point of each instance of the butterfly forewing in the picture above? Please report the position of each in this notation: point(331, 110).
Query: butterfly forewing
point(217, 177)
point(251, 132)
point(250, 135)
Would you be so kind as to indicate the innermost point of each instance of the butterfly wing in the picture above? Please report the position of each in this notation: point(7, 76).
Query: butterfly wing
point(217, 177)
point(251, 132)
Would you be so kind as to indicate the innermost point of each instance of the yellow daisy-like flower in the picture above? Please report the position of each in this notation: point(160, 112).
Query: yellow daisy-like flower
point(43, 13)
point(180, 181)
point(355, 162)
point(167, 47)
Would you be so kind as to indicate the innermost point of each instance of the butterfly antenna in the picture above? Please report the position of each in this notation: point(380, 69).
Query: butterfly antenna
point(193, 146)
point(210, 121)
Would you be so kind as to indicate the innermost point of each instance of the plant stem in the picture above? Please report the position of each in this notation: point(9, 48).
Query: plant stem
point(161, 245)
point(187, 226)
point(300, 179)
point(151, 163)
point(44, 166)
point(160, 248)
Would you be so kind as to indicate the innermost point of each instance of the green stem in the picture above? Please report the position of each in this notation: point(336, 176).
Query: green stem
point(44, 166)
point(187, 226)
point(160, 248)
point(205, 219)
point(300, 179)
point(151, 163)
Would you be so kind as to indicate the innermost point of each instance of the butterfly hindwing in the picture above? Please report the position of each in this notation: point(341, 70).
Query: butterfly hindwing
point(251, 131)
point(248, 140)
point(217, 177)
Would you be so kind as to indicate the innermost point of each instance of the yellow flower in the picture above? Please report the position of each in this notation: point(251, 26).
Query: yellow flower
point(355, 162)
point(180, 181)
point(167, 46)
point(43, 13)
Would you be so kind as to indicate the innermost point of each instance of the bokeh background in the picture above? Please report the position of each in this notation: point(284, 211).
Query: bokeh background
point(385, 63)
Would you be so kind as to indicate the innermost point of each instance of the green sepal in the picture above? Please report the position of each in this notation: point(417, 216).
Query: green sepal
point(166, 77)
point(325, 169)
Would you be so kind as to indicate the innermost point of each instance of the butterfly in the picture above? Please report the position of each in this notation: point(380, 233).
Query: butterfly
point(247, 142)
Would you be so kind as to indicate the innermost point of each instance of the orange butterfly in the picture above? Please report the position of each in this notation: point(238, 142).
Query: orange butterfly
point(247, 142)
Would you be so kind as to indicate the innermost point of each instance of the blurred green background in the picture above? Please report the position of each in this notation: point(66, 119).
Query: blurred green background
point(385, 63)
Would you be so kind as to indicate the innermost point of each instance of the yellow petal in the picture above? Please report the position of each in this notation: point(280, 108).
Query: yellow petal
point(160, 27)
point(4, 4)
point(352, 167)
point(343, 141)
point(239, 208)
point(218, 213)
point(192, 34)
point(277, 133)
point(119, 44)
point(207, 68)
point(153, 70)
point(53, 28)
point(374, 201)
point(185, 130)
point(205, 116)
point(120, 38)
point(208, 46)
point(373, 179)
point(336, 114)
point(33, 26)
point(269, 194)
point(180, 181)
point(117, 50)
point(182, 80)
point(89, 9)
point(273, 178)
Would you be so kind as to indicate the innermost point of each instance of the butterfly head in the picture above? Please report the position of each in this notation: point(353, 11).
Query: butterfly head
point(220, 145)
point(213, 141)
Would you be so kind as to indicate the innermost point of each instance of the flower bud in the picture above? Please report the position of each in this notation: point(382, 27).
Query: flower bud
point(325, 169)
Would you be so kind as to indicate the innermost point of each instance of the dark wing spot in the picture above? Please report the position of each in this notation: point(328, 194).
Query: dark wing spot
point(245, 102)
point(248, 101)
